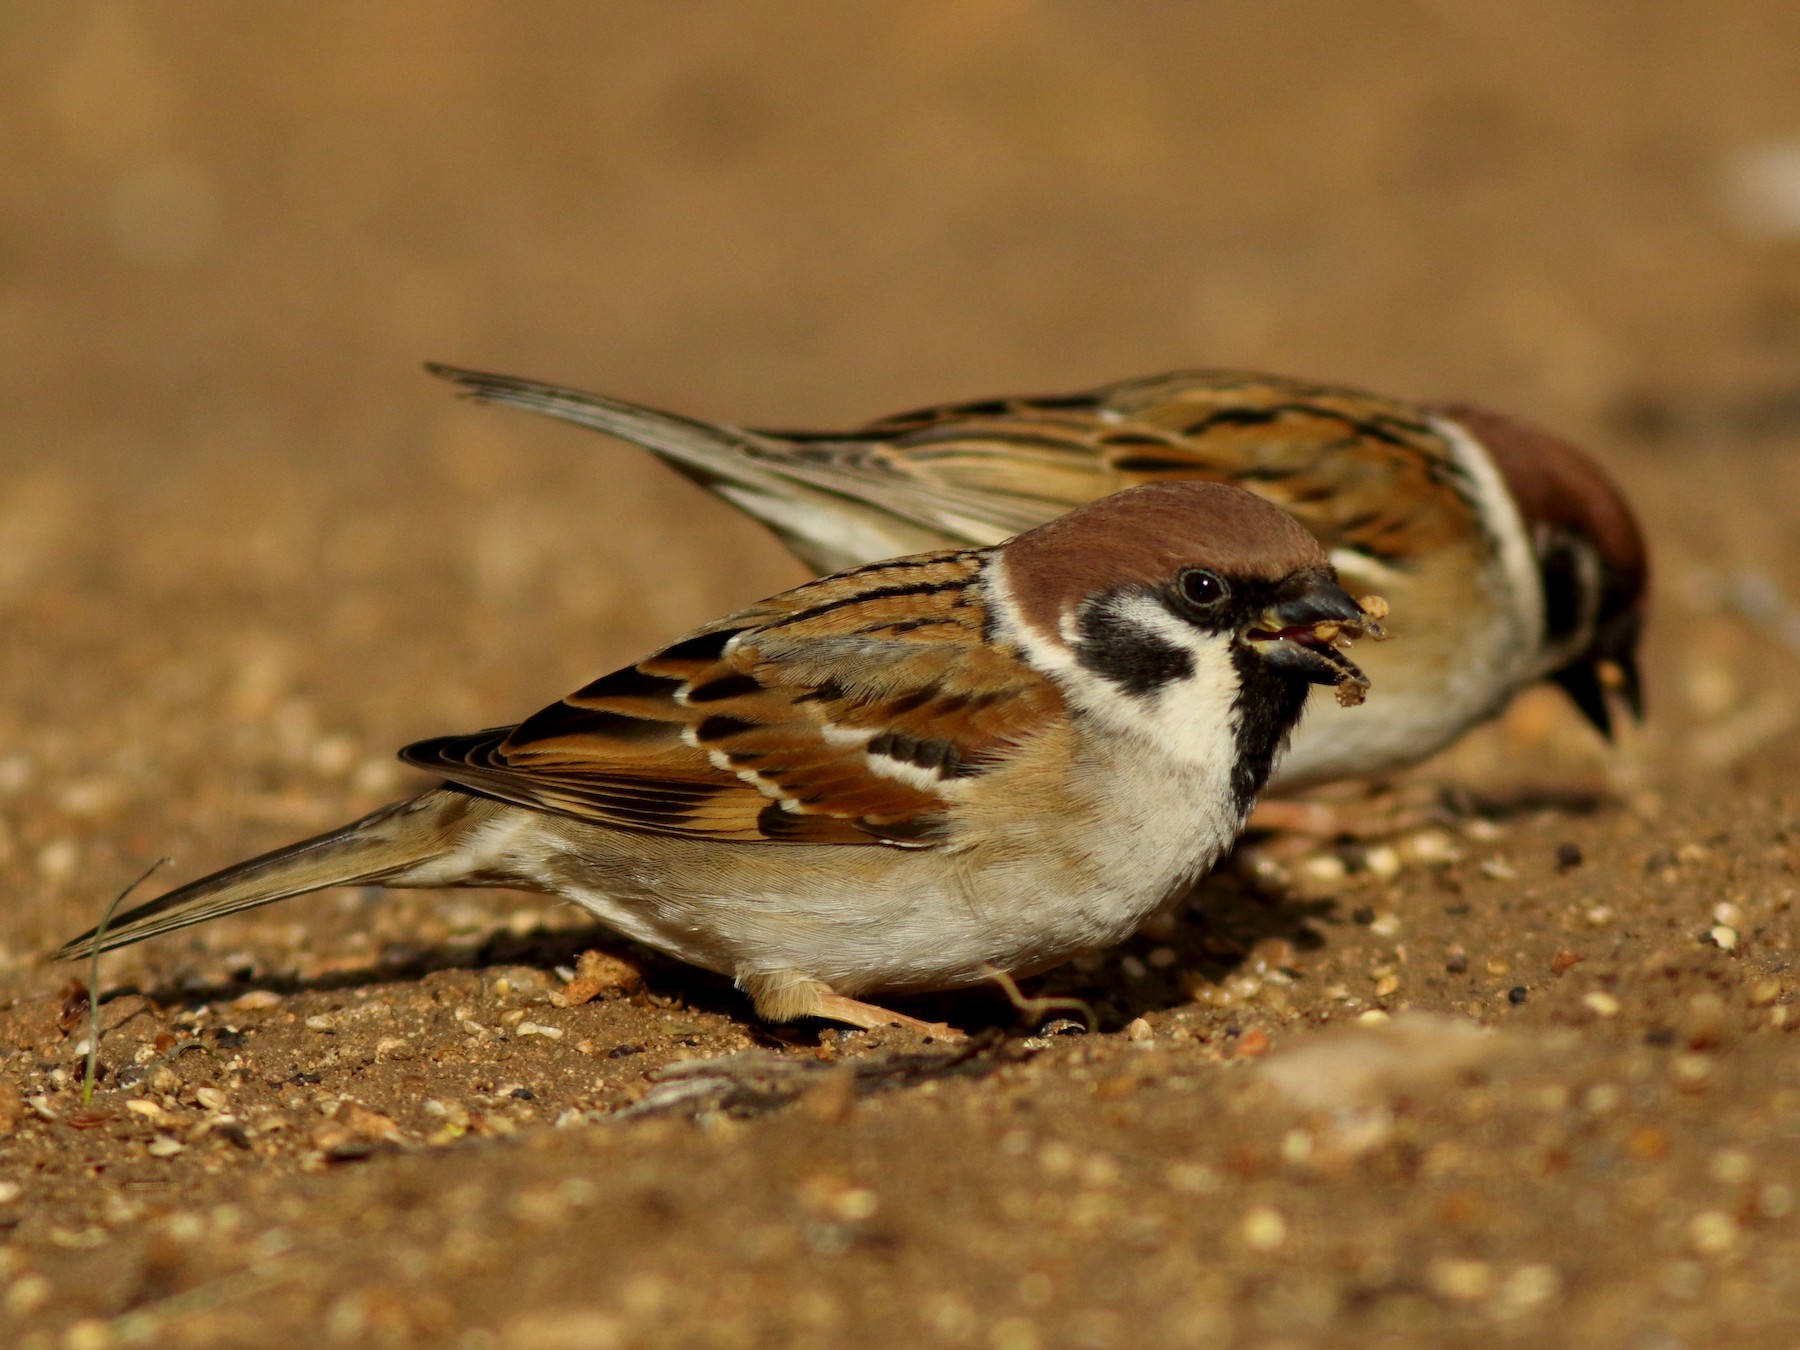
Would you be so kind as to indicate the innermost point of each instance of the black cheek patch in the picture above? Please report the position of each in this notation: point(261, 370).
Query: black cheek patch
point(1122, 652)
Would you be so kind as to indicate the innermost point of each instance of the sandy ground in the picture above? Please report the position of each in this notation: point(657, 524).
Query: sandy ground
point(247, 549)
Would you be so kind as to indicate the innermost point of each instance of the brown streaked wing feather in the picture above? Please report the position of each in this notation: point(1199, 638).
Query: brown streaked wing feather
point(1014, 463)
point(791, 735)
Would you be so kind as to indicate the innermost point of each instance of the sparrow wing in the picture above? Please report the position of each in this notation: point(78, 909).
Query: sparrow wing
point(1369, 474)
point(850, 710)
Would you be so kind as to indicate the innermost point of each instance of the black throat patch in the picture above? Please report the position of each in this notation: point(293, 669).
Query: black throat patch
point(1266, 709)
point(1122, 652)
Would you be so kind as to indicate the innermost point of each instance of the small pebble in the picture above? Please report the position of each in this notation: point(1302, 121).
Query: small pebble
point(1601, 1003)
point(1324, 869)
point(1530, 1287)
point(1712, 1232)
point(1727, 913)
point(1724, 938)
point(1457, 963)
point(1517, 995)
point(1137, 1029)
point(1565, 961)
point(211, 1098)
point(1382, 862)
point(165, 1147)
point(1363, 914)
point(1731, 1167)
point(1598, 916)
point(1568, 856)
point(1263, 1228)
point(1462, 1281)
point(27, 1294)
point(90, 1333)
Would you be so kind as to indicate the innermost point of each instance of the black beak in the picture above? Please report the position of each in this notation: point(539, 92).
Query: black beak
point(1285, 634)
point(1614, 646)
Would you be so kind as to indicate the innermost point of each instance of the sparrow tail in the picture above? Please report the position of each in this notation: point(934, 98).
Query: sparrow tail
point(833, 508)
point(377, 849)
point(703, 450)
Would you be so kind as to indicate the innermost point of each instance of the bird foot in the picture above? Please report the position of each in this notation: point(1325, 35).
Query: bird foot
point(783, 998)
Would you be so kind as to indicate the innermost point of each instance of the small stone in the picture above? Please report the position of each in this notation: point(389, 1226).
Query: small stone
point(1764, 992)
point(1598, 916)
point(1363, 914)
point(255, 1000)
point(1457, 963)
point(1386, 985)
point(1712, 1232)
point(1382, 862)
point(1162, 958)
point(9, 1192)
point(1568, 856)
point(165, 1147)
point(322, 1022)
point(1263, 1229)
point(1373, 1017)
point(1462, 1281)
point(1529, 1287)
point(537, 1029)
point(1499, 965)
point(855, 1205)
point(1497, 868)
point(1723, 937)
point(1517, 995)
point(1775, 1200)
point(90, 1333)
point(1132, 968)
point(1727, 913)
point(1323, 869)
point(1386, 925)
point(27, 1294)
point(211, 1098)
point(1137, 1029)
point(1252, 1043)
point(1565, 961)
point(1601, 1003)
point(1731, 1167)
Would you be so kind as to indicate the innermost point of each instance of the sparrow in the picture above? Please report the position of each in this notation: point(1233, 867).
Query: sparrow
point(1509, 556)
point(913, 775)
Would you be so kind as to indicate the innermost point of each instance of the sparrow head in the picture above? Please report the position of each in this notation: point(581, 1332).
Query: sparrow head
point(1133, 586)
point(1590, 555)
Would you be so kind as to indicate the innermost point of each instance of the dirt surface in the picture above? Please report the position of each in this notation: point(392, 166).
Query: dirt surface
point(1528, 1072)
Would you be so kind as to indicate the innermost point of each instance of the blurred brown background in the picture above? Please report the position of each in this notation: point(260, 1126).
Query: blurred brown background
point(247, 548)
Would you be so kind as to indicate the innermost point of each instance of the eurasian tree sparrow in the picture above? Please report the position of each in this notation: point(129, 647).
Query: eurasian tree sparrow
point(912, 775)
point(1508, 556)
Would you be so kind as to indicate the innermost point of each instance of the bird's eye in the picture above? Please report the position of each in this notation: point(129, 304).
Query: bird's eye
point(1202, 589)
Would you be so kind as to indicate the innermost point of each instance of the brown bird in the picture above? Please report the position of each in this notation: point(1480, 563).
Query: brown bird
point(913, 775)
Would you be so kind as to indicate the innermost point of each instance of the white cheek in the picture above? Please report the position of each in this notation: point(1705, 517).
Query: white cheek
point(1192, 719)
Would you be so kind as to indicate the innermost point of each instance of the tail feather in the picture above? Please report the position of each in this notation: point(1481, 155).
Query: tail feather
point(707, 451)
point(376, 848)
point(830, 501)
